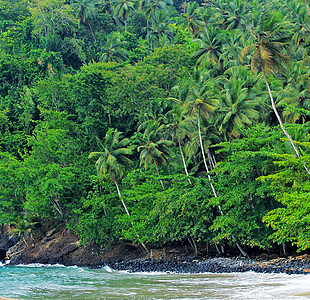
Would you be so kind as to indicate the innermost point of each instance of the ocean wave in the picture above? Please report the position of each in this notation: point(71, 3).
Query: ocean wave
point(38, 265)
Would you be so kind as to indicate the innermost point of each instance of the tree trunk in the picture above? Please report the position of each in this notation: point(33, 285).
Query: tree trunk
point(161, 182)
point(204, 158)
point(184, 164)
point(284, 249)
point(281, 124)
point(217, 249)
point(211, 184)
point(212, 164)
point(147, 29)
point(307, 5)
point(125, 26)
point(120, 196)
point(193, 244)
point(92, 32)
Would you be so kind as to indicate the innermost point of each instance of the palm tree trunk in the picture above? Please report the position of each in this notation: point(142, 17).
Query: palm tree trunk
point(212, 164)
point(281, 123)
point(204, 158)
point(92, 32)
point(307, 5)
point(184, 164)
point(120, 196)
point(211, 184)
point(125, 26)
point(147, 29)
point(161, 182)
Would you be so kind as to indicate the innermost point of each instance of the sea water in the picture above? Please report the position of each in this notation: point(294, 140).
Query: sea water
point(58, 282)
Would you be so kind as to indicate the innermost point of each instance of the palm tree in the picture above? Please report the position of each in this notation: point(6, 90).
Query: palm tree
point(296, 93)
point(177, 128)
point(210, 43)
point(192, 18)
point(271, 39)
point(85, 10)
point(301, 29)
point(150, 7)
point(113, 50)
point(154, 148)
point(160, 31)
point(236, 109)
point(201, 108)
point(113, 160)
point(235, 14)
point(123, 9)
point(105, 5)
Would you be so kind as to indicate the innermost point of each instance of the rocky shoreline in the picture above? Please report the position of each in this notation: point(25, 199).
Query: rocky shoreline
point(291, 265)
point(60, 245)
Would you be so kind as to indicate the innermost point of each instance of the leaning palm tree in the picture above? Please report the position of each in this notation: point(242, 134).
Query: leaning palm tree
point(154, 148)
point(271, 39)
point(113, 160)
point(197, 106)
point(177, 128)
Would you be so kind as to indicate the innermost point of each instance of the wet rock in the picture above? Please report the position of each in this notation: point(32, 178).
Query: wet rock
point(2, 254)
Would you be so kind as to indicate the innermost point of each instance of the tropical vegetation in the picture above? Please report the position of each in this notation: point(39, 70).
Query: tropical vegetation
point(157, 122)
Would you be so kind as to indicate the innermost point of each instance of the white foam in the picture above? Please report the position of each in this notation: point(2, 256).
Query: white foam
point(37, 265)
point(6, 262)
point(108, 269)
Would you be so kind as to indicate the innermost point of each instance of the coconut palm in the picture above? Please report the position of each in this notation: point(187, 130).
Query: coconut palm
point(85, 10)
point(161, 33)
point(210, 43)
point(150, 7)
point(192, 18)
point(113, 160)
point(197, 106)
point(271, 39)
point(113, 49)
point(123, 9)
point(296, 93)
point(177, 128)
point(236, 109)
point(301, 29)
point(154, 149)
point(235, 14)
point(105, 5)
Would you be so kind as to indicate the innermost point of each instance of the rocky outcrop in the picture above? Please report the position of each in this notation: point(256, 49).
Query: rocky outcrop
point(60, 245)
point(6, 241)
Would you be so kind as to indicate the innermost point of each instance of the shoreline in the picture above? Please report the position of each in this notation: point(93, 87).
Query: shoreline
point(193, 265)
point(292, 265)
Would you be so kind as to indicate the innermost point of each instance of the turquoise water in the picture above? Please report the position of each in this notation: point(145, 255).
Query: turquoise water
point(59, 282)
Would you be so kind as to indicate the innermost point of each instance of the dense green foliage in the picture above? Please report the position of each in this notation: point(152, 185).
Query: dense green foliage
point(195, 116)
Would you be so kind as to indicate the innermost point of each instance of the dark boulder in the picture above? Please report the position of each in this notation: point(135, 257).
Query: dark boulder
point(2, 254)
